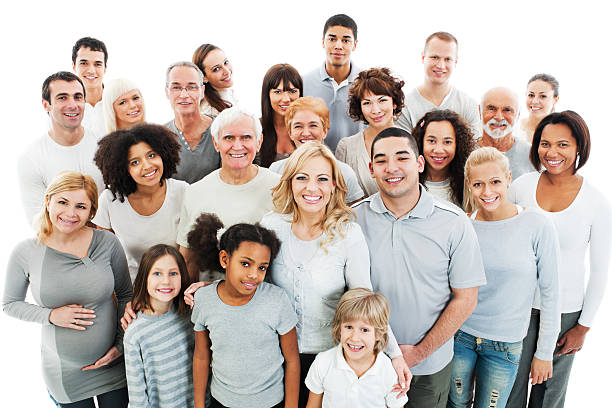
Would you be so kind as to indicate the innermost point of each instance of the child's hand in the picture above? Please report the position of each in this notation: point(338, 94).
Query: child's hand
point(128, 316)
point(404, 376)
point(192, 289)
point(71, 316)
point(110, 355)
point(541, 371)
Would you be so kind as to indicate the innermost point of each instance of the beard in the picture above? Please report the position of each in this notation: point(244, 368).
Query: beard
point(498, 133)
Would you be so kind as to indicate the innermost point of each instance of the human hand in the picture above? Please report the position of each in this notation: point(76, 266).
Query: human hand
point(573, 339)
point(128, 315)
point(188, 296)
point(541, 371)
point(412, 354)
point(110, 355)
point(71, 316)
point(404, 376)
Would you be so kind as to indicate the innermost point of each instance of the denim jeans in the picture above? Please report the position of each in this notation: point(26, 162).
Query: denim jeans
point(491, 364)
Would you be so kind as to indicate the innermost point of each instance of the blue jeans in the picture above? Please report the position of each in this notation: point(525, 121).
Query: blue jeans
point(491, 364)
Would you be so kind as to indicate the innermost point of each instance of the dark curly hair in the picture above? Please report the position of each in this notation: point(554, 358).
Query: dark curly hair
point(112, 155)
point(379, 81)
point(464, 144)
point(205, 246)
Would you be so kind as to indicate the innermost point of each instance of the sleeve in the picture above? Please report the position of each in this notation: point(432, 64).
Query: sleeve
point(341, 152)
point(357, 266)
point(199, 321)
point(403, 121)
point(123, 284)
point(135, 373)
point(465, 269)
point(546, 248)
point(287, 318)
point(392, 350)
point(314, 378)
point(102, 218)
point(600, 245)
point(391, 399)
point(185, 223)
point(16, 286)
point(354, 191)
point(31, 186)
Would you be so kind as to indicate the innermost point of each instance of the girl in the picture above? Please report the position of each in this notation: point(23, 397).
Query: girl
point(218, 79)
point(158, 346)
point(356, 373)
point(445, 141)
point(142, 204)
point(583, 219)
point(244, 327)
point(542, 96)
point(375, 98)
point(123, 105)
point(519, 250)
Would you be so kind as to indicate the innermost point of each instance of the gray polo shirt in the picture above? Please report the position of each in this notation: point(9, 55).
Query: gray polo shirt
point(518, 156)
point(319, 83)
point(415, 261)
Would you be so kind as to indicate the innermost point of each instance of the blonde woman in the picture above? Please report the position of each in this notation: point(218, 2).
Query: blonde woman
point(123, 105)
point(323, 250)
point(72, 271)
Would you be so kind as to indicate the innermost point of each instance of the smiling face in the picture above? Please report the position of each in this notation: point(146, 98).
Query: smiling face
point(280, 99)
point(499, 112)
point(488, 184)
point(378, 110)
point(541, 98)
point(69, 211)
point(357, 338)
point(218, 70)
point(238, 144)
point(129, 109)
point(439, 145)
point(163, 282)
point(145, 166)
point(245, 269)
point(184, 90)
point(439, 60)
point(67, 104)
point(338, 42)
point(558, 149)
point(305, 126)
point(313, 185)
point(90, 67)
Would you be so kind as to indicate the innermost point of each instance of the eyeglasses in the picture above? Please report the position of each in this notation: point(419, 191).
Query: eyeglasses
point(177, 89)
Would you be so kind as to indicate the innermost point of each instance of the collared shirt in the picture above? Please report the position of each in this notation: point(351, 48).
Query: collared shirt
point(415, 261)
point(320, 84)
point(331, 375)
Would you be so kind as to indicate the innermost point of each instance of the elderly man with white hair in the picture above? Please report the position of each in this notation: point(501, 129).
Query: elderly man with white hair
point(500, 113)
point(239, 191)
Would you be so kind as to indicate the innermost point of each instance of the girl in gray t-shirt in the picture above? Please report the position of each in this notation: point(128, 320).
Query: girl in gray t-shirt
point(244, 327)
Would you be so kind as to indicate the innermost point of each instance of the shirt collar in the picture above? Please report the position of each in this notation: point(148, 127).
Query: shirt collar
point(351, 77)
point(423, 208)
point(341, 363)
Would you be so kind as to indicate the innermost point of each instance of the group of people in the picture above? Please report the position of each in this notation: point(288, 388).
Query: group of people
point(357, 245)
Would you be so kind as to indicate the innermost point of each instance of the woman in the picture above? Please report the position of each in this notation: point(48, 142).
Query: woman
point(282, 84)
point(73, 271)
point(519, 251)
point(323, 250)
point(583, 220)
point(308, 119)
point(142, 204)
point(542, 96)
point(123, 105)
point(375, 98)
point(445, 141)
point(217, 70)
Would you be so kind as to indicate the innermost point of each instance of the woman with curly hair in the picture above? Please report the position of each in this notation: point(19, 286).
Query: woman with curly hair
point(218, 78)
point(445, 141)
point(375, 98)
point(323, 250)
point(141, 204)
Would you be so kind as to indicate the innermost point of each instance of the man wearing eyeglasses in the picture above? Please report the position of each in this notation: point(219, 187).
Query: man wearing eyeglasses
point(185, 91)
point(436, 92)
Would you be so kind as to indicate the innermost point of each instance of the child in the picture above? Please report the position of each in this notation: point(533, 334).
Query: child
point(159, 344)
point(356, 373)
point(246, 324)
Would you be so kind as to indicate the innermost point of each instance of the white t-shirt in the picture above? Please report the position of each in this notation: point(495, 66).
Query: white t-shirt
point(93, 118)
point(441, 190)
point(137, 232)
point(331, 375)
point(44, 158)
point(231, 203)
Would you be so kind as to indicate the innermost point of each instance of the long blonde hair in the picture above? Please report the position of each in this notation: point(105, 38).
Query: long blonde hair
point(477, 157)
point(337, 213)
point(65, 181)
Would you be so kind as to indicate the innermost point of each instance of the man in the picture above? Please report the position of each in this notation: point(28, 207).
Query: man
point(89, 58)
point(331, 81)
point(66, 146)
point(425, 259)
point(185, 91)
point(439, 59)
point(237, 192)
point(500, 112)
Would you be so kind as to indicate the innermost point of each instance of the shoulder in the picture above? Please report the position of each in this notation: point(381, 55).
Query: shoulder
point(267, 177)
point(312, 76)
point(278, 166)
point(28, 248)
point(464, 98)
point(205, 183)
point(326, 358)
point(526, 181)
point(176, 187)
point(447, 207)
point(274, 220)
point(595, 197)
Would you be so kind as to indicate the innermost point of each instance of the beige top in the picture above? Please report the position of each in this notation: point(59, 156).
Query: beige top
point(352, 151)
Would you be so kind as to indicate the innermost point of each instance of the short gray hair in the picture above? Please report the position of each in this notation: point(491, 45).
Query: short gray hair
point(231, 115)
point(185, 64)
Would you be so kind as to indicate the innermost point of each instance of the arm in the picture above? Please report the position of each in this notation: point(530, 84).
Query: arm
point(201, 366)
point(123, 286)
point(314, 400)
point(32, 187)
point(460, 307)
point(135, 374)
point(289, 348)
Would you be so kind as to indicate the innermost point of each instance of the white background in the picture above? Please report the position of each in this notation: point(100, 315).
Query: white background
point(500, 43)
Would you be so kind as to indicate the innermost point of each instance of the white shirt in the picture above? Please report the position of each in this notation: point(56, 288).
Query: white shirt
point(331, 375)
point(93, 118)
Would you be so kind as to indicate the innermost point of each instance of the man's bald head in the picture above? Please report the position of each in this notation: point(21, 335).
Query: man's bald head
point(500, 111)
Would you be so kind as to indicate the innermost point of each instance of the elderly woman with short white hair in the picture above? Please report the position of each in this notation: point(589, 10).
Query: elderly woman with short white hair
point(123, 105)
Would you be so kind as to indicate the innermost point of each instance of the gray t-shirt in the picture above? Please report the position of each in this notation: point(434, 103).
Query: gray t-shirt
point(247, 362)
point(196, 163)
point(518, 156)
point(415, 261)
